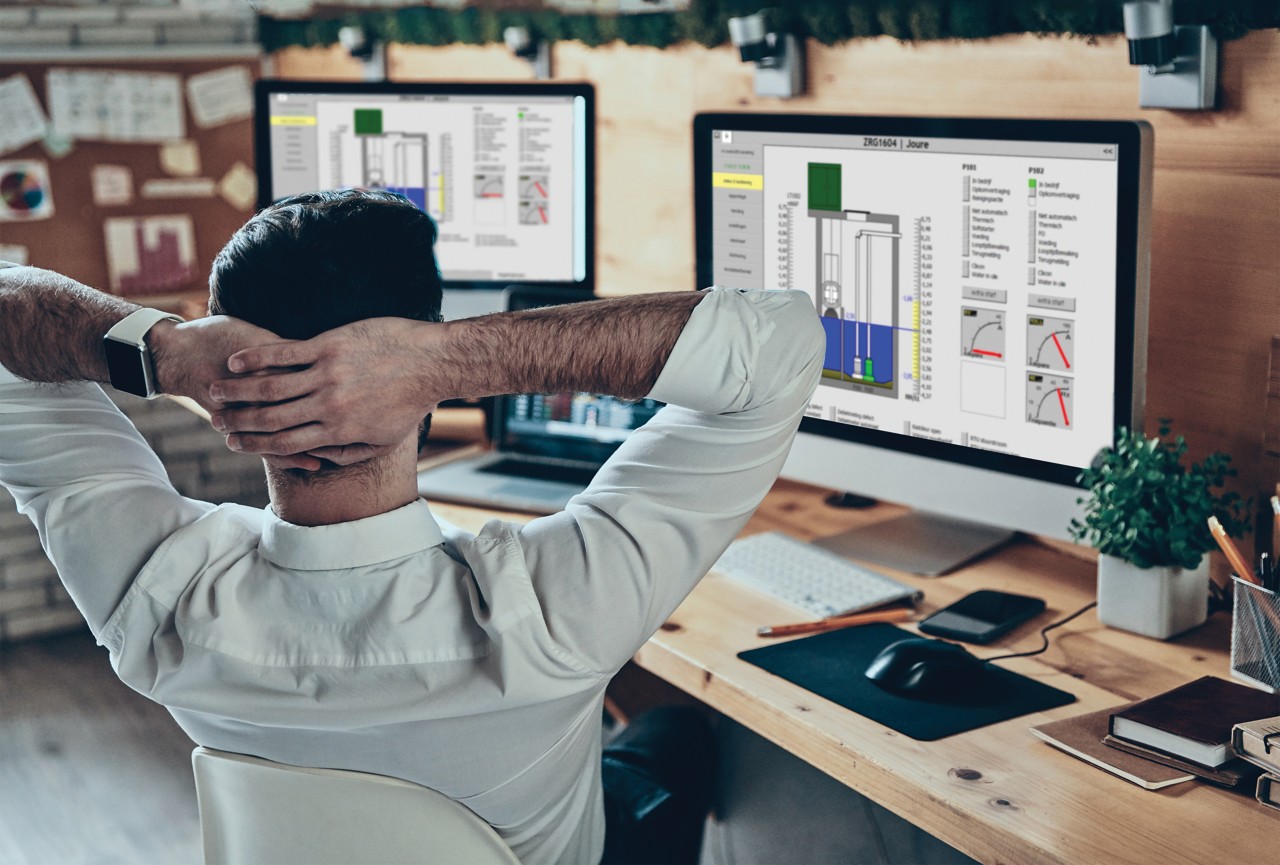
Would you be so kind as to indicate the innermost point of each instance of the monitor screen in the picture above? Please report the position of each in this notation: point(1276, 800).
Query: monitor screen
point(505, 170)
point(980, 283)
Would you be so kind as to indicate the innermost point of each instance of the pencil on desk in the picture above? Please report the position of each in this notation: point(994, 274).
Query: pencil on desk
point(834, 622)
point(1229, 549)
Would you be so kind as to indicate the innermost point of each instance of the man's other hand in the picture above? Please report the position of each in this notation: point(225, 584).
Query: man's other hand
point(354, 384)
point(192, 355)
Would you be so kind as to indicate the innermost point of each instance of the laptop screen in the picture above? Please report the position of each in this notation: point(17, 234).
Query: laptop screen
point(573, 426)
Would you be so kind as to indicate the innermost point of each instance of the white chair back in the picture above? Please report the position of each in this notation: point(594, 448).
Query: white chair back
point(256, 812)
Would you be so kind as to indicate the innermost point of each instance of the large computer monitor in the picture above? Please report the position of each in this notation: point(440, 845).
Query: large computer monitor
point(507, 170)
point(982, 285)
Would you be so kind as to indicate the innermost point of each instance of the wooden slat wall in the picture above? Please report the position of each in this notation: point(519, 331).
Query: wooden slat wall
point(1215, 268)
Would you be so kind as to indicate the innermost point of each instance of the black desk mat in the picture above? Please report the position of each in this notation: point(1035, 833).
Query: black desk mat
point(832, 665)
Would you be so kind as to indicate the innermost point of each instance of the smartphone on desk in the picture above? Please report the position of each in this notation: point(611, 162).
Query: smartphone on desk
point(982, 616)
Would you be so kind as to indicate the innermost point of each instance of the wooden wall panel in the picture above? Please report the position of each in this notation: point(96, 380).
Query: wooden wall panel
point(1216, 221)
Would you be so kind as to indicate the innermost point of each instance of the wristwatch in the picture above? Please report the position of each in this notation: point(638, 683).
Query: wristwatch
point(128, 356)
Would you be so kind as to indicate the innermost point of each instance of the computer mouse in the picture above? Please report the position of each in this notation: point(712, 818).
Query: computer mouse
point(925, 669)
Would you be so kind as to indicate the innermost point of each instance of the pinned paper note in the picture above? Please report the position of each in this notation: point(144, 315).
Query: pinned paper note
point(116, 106)
point(13, 253)
point(22, 120)
point(57, 146)
point(220, 96)
point(150, 254)
point(180, 158)
point(112, 185)
point(179, 187)
point(25, 194)
point(239, 186)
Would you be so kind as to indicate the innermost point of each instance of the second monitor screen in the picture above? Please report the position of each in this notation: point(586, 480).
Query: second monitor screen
point(967, 287)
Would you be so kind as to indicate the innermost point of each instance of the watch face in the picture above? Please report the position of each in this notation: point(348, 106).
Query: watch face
point(124, 362)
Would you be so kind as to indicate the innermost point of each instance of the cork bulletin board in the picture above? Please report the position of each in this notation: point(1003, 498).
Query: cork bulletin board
point(209, 194)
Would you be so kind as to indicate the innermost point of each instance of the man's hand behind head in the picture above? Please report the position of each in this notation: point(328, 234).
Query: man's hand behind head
point(344, 396)
point(190, 356)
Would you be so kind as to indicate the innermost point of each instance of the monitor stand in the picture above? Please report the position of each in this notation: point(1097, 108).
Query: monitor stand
point(926, 544)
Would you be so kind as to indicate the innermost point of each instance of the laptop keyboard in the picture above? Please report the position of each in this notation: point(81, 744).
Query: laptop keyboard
point(578, 475)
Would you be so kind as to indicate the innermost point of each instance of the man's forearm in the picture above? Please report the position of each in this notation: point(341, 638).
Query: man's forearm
point(51, 326)
point(616, 346)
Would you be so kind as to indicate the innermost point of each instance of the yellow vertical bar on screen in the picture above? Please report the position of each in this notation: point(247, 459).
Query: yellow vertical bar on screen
point(915, 341)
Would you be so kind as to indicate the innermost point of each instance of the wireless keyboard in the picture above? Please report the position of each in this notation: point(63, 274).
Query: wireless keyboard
point(813, 579)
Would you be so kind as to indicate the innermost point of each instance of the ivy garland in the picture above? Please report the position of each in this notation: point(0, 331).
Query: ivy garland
point(705, 21)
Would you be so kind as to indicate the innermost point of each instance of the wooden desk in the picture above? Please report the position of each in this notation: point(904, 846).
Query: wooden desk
point(996, 793)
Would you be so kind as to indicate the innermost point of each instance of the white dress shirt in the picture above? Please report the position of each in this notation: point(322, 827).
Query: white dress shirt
point(472, 664)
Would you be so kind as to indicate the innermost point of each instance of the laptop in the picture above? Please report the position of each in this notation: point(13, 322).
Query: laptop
point(546, 447)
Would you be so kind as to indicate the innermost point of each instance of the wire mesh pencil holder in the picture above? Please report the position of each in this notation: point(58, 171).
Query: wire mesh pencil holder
point(1255, 635)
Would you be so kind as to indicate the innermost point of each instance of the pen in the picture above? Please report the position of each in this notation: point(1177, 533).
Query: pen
point(834, 622)
point(1229, 549)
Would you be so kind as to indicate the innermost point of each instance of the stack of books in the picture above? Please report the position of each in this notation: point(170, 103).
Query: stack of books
point(1259, 743)
point(1177, 736)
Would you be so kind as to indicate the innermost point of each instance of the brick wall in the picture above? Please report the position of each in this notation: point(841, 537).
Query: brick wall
point(30, 27)
point(32, 599)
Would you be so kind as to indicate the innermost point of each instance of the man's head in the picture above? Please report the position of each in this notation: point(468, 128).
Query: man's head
point(320, 260)
point(316, 261)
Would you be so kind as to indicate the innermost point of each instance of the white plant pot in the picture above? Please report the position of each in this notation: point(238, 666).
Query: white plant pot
point(1155, 602)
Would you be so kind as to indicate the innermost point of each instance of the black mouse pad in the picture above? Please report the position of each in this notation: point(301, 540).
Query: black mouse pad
point(832, 665)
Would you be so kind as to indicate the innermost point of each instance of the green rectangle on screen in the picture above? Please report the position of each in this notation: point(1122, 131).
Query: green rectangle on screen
point(824, 186)
point(368, 121)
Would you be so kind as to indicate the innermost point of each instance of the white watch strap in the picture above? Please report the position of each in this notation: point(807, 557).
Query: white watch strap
point(132, 329)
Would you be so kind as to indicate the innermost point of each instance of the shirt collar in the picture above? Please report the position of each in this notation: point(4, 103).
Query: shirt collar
point(369, 541)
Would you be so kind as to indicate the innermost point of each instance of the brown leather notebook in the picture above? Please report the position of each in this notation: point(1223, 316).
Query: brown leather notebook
point(1081, 736)
point(1233, 773)
point(1194, 721)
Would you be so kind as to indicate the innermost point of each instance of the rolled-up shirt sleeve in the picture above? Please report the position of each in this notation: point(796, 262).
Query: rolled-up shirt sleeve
point(622, 556)
point(96, 492)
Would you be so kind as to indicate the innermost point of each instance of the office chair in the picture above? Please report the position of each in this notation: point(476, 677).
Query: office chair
point(256, 812)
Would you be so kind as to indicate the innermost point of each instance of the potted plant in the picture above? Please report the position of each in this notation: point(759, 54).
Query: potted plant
point(1147, 515)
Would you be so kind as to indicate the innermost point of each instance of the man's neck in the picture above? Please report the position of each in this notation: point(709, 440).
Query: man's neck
point(364, 490)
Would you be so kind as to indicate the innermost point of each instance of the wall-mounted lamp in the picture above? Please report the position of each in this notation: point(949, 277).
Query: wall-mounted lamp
point(522, 43)
point(1181, 62)
point(369, 51)
point(778, 57)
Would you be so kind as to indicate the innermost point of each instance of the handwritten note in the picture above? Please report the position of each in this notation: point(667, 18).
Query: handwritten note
point(22, 120)
point(220, 96)
point(13, 253)
point(112, 185)
point(116, 106)
point(239, 186)
point(180, 158)
point(179, 187)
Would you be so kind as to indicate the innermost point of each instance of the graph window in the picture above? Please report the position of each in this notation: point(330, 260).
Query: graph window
point(502, 176)
point(953, 277)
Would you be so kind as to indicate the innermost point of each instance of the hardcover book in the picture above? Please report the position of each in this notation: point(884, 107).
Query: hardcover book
point(1258, 742)
point(1194, 721)
point(1268, 788)
point(1081, 736)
